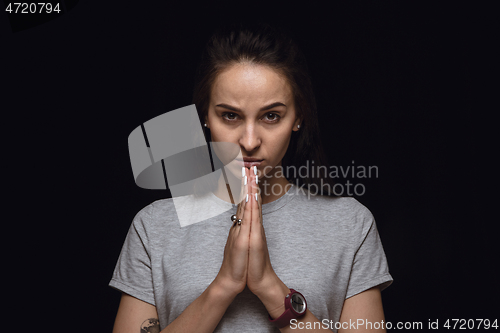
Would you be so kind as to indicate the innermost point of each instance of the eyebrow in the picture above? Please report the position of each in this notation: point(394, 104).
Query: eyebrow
point(268, 107)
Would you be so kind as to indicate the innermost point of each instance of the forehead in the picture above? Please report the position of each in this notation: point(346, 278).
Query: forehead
point(247, 84)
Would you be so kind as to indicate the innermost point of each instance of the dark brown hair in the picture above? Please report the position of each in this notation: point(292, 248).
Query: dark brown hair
point(263, 44)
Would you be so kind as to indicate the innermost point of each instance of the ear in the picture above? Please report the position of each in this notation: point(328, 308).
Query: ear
point(297, 122)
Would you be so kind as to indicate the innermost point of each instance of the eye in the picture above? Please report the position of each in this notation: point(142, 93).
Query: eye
point(229, 116)
point(272, 117)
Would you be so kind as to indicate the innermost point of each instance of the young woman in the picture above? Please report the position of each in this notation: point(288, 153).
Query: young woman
point(282, 259)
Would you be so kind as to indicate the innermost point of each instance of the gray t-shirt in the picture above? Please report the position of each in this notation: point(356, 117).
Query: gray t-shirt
point(326, 248)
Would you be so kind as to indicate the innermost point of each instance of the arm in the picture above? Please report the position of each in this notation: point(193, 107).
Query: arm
point(205, 312)
point(365, 306)
point(266, 285)
point(273, 299)
point(133, 314)
point(202, 315)
point(261, 279)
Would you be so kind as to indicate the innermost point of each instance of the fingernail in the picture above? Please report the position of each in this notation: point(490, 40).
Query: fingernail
point(243, 172)
point(255, 170)
point(256, 199)
point(256, 179)
point(246, 198)
point(245, 182)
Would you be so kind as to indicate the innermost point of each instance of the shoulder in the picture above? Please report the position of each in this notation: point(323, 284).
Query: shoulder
point(156, 214)
point(353, 211)
point(345, 206)
point(345, 212)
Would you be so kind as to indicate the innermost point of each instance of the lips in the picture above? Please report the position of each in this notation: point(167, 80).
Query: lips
point(249, 162)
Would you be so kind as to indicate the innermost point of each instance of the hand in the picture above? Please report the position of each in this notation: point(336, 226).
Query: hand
point(233, 272)
point(246, 257)
point(261, 275)
point(261, 278)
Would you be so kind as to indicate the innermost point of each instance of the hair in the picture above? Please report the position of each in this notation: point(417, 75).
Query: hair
point(262, 44)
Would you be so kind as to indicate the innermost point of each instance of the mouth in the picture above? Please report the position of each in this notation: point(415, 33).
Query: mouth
point(249, 162)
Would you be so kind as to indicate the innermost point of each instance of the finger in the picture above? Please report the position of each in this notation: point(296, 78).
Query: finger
point(242, 204)
point(254, 207)
point(244, 185)
point(256, 198)
point(246, 208)
point(244, 181)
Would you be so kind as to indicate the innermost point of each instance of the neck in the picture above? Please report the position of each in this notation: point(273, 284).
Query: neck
point(272, 187)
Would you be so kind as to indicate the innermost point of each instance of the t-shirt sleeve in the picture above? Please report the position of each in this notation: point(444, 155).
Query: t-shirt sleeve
point(132, 274)
point(369, 267)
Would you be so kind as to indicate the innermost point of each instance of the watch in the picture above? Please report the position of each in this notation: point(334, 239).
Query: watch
point(295, 307)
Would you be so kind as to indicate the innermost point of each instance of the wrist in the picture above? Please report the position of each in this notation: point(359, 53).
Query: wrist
point(273, 297)
point(225, 289)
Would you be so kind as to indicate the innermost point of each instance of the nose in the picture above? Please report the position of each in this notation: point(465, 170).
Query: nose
point(250, 139)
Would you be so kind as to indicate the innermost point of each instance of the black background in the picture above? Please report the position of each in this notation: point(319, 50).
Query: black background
point(402, 86)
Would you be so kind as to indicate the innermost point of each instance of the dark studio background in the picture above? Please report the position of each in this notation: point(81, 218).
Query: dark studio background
point(399, 86)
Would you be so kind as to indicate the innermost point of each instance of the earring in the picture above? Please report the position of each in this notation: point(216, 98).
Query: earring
point(205, 124)
point(298, 126)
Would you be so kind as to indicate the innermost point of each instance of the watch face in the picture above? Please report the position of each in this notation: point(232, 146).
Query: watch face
point(298, 303)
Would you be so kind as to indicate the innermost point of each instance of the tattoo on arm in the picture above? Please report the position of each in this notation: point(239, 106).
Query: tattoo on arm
point(151, 325)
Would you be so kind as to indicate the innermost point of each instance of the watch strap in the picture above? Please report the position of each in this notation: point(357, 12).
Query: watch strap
point(284, 319)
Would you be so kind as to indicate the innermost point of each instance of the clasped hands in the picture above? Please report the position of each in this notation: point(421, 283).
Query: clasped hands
point(246, 258)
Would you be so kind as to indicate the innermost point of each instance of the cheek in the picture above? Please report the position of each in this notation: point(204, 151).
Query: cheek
point(219, 134)
point(279, 144)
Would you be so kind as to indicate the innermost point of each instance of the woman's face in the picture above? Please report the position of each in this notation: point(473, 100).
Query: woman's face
point(252, 106)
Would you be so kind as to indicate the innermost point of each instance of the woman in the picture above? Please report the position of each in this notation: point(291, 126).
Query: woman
point(286, 261)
